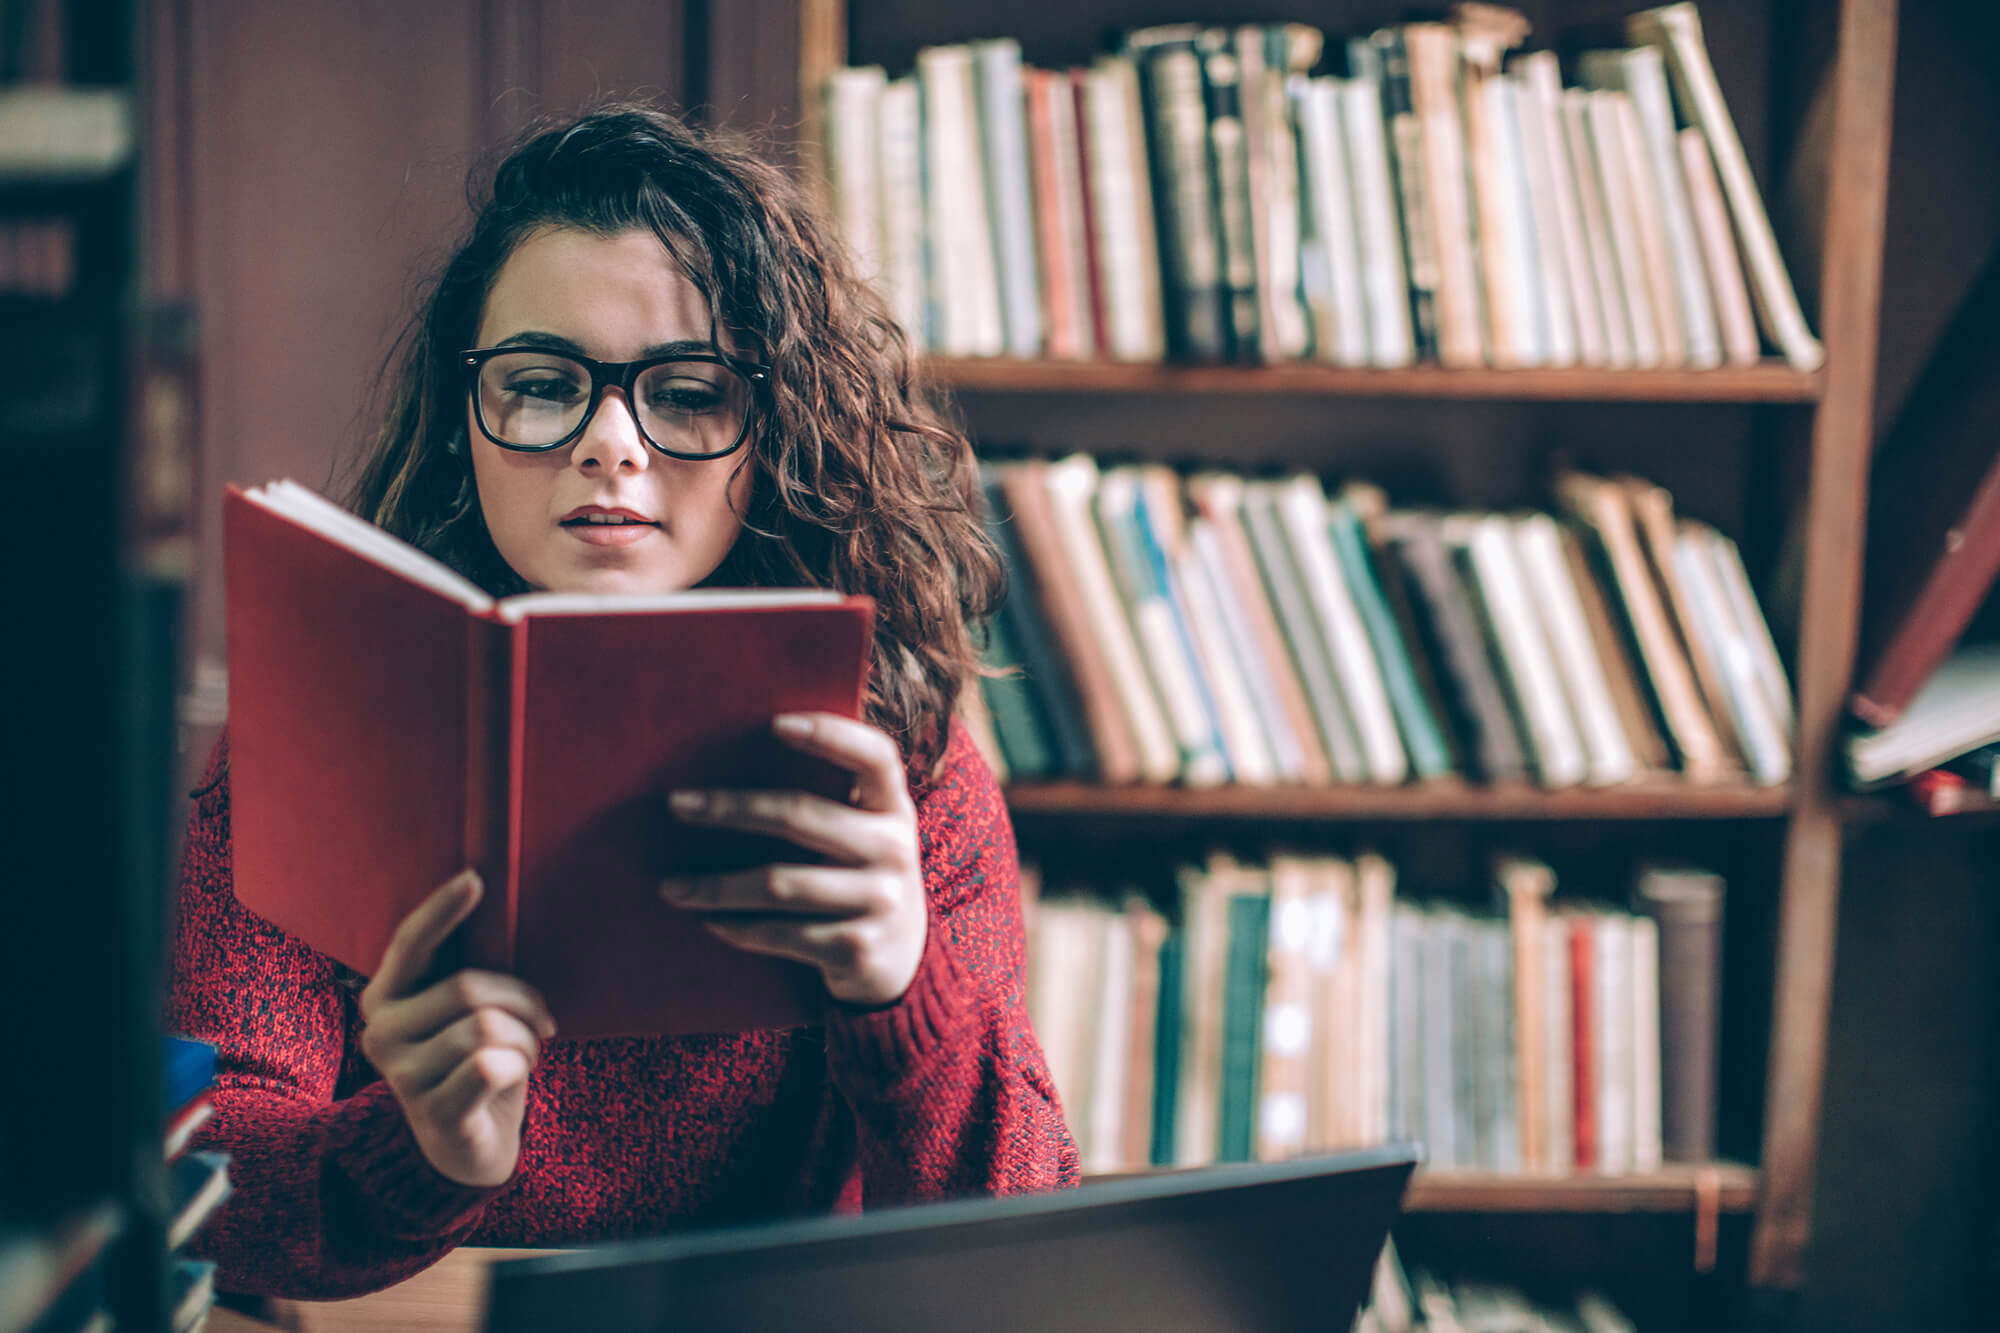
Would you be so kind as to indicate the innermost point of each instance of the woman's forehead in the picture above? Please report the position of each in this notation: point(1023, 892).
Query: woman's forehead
point(613, 295)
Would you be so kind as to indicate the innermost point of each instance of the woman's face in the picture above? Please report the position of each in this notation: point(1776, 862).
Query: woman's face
point(611, 298)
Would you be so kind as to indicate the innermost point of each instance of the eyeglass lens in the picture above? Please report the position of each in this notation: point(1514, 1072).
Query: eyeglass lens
point(533, 399)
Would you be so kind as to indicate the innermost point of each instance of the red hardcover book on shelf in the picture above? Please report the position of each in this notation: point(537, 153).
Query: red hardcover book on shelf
point(1583, 1093)
point(391, 723)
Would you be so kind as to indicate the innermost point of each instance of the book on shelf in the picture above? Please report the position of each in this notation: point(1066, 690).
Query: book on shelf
point(1957, 710)
point(199, 1184)
point(1306, 1003)
point(1257, 631)
point(373, 688)
point(1272, 192)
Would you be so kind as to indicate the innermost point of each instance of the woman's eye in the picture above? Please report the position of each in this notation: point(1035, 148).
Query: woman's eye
point(687, 397)
point(545, 389)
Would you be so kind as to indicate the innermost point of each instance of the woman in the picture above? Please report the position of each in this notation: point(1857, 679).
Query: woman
point(649, 367)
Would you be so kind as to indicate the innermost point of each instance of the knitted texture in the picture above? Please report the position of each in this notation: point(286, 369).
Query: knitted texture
point(942, 1094)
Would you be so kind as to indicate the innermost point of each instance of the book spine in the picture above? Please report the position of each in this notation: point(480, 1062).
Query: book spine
point(1539, 200)
point(1541, 108)
point(853, 159)
point(1648, 216)
point(1406, 157)
point(1177, 124)
point(1687, 907)
point(1384, 282)
point(1584, 1018)
point(1424, 741)
point(1737, 323)
point(1607, 143)
point(1433, 50)
point(1607, 287)
point(1003, 120)
point(1229, 161)
point(902, 213)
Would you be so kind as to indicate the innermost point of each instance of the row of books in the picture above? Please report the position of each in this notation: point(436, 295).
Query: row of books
point(1214, 628)
point(1298, 1005)
point(37, 258)
point(1410, 1300)
point(198, 1184)
point(1199, 193)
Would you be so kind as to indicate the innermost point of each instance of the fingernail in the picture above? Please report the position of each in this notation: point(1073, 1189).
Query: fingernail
point(688, 802)
point(469, 881)
point(792, 724)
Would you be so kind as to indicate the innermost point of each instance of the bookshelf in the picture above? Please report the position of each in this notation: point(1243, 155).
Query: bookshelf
point(1444, 799)
point(85, 1194)
point(1801, 444)
point(1769, 382)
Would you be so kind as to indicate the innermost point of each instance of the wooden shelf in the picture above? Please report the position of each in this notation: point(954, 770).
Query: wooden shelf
point(1765, 382)
point(1438, 800)
point(1671, 1189)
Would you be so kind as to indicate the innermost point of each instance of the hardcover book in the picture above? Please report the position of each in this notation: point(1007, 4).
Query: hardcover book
point(391, 723)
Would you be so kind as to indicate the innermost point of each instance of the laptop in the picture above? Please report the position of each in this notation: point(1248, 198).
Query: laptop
point(1267, 1246)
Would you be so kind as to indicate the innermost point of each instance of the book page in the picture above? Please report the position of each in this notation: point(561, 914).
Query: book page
point(329, 520)
point(515, 609)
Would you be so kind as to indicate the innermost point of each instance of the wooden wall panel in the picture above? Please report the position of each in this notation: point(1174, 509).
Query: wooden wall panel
point(310, 166)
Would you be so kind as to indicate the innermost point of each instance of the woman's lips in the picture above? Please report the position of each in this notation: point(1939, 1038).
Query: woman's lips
point(611, 534)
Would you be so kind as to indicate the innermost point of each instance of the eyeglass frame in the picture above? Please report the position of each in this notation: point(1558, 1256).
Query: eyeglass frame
point(603, 374)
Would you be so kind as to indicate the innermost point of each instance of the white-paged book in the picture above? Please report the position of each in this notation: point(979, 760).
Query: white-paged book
point(1330, 260)
point(963, 270)
point(1568, 248)
point(1607, 280)
point(854, 161)
point(1004, 141)
point(1383, 281)
point(905, 262)
point(1301, 505)
point(1542, 194)
point(1957, 710)
point(1554, 597)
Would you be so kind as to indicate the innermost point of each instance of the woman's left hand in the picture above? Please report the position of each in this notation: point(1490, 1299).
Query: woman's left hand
point(860, 919)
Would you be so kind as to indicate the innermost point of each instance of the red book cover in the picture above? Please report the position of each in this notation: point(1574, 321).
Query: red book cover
point(1964, 561)
point(390, 724)
point(1583, 1081)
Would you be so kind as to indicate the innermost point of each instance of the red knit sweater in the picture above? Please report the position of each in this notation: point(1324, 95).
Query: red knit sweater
point(944, 1093)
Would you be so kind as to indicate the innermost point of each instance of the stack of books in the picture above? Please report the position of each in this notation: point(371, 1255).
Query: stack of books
point(1201, 193)
point(78, 1291)
point(198, 1181)
point(1298, 1005)
point(1216, 629)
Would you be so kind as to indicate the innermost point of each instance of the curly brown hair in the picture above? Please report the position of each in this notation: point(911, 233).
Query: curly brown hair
point(861, 483)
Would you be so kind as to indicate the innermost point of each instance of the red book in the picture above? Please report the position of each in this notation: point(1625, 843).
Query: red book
point(390, 723)
point(1965, 558)
point(1583, 1082)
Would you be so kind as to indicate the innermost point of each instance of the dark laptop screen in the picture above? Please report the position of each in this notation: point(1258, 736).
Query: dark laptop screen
point(1287, 1245)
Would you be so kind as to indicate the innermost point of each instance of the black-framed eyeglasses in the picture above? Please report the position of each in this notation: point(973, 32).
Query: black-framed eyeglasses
point(692, 406)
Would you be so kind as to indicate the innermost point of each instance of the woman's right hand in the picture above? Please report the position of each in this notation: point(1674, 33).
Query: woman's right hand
point(455, 1052)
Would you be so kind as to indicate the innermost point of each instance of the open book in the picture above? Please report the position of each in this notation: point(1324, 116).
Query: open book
point(391, 723)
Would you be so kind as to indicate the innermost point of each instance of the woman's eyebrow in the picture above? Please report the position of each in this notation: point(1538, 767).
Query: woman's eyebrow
point(555, 342)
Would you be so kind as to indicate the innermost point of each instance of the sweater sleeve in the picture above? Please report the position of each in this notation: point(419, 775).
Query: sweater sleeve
point(332, 1196)
point(948, 1089)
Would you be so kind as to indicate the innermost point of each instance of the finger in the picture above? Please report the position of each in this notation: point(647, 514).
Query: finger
point(832, 946)
point(418, 936)
point(785, 889)
point(485, 1073)
point(444, 1002)
point(429, 1063)
point(850, 836)
point(865, 751)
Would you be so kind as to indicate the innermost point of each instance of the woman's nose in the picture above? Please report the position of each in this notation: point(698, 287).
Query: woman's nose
point(612, 438)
